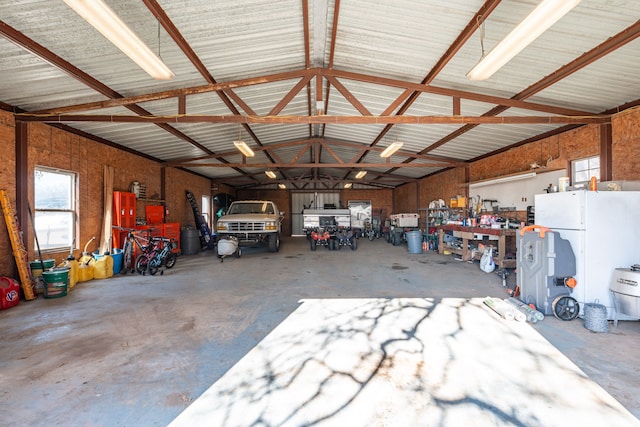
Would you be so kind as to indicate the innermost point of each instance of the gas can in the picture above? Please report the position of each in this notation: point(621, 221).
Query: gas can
point(85, 268)
point(9, 292)
point(103, 268)
point(72, 265)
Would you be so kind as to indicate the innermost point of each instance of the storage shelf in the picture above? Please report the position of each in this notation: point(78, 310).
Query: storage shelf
point(506, 238)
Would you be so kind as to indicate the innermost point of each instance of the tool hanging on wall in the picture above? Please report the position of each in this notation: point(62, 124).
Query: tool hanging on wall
point(19, 251)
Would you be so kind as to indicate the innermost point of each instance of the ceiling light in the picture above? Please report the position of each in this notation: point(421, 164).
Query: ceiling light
point(270, 174)
point(547, 13)
point(347, 185)
point(282, 186)
point(388, 152)
point(361, 174)
point(103, 19)
point(244, 148)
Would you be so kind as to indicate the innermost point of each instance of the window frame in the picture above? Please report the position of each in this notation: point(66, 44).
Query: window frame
point(72, 210)
point(591, 170)
point(206, 209)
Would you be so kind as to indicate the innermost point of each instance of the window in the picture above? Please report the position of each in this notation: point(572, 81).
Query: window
point(583, 169)
point(55, 208)
point(206, 209)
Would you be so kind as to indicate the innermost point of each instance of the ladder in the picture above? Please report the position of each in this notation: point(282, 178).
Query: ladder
point(206, 240)
point(19, 252)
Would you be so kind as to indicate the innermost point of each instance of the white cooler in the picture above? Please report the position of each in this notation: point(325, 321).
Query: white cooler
point(625, 287)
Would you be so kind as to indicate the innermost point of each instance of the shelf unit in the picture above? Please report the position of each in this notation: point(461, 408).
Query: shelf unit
point(434, 218)
point(506, 240)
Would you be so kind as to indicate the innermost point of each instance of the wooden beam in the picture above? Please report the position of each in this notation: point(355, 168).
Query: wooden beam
point(349, 96)
point(289, 96)
point(415, 120)
point(313, 165)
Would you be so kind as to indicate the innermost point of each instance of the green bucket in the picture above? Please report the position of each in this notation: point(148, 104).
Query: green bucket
point(56, 282)
point(36, 266)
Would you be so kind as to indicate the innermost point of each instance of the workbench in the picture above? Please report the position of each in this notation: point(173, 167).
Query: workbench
point(506, 239)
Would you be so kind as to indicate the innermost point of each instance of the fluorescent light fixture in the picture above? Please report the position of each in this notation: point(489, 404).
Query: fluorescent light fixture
point(547, 13)
point(270, 174)
point(388, 152)
point(282, 186)
point(348, 185)
point(509, 178)
point(103, 19)
point(361, 174)
point(244, 148)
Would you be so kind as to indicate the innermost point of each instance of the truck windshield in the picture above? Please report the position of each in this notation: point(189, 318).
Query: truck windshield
point(251, 208)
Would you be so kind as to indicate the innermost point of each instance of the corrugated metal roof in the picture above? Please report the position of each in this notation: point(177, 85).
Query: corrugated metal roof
point(50, 58)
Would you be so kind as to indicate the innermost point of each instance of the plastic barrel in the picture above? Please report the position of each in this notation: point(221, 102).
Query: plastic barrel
point(56, 282)
point(414, 242)
point(117, 260)
point(189, 241)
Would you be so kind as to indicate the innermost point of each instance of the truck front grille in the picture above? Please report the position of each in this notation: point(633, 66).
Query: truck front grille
point(245, 226)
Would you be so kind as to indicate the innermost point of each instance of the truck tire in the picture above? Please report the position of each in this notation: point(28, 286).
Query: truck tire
point(274, 242)
point(397, 238)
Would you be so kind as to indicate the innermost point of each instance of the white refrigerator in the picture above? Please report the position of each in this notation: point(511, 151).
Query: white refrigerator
point(603, 228)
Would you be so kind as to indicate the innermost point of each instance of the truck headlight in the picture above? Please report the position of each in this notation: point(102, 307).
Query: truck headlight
point(221, 226)
point(270, 226)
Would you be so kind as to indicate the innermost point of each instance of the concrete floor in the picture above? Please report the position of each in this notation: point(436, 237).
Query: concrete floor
point(136, 351)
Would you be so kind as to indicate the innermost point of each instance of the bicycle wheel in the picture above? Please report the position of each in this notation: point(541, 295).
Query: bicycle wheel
point(142, 263)
point(127, 255)
point(153, 265)
point(171, 259)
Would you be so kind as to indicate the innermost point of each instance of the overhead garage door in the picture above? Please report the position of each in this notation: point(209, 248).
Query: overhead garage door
point(302, 200)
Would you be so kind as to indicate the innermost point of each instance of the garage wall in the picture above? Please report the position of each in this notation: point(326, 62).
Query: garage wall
point(405, 198)
point(555, 152)
point(380, 199)
point(176, 183)
point(445, 187)
point(626, 145)
point(53, 147)
point(7, 182)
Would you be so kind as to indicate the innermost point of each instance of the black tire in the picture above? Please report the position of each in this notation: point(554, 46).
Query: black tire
point(127, 254)
point(141, 264)
point(397, 239)
point(354, 243)
point(171, 259)
point(274, 242)
point(239, 253)
point(565, 307)
point(313, 244)
point(153, 268)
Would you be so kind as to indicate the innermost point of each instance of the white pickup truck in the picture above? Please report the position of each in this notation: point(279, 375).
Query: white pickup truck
point(252, 222)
